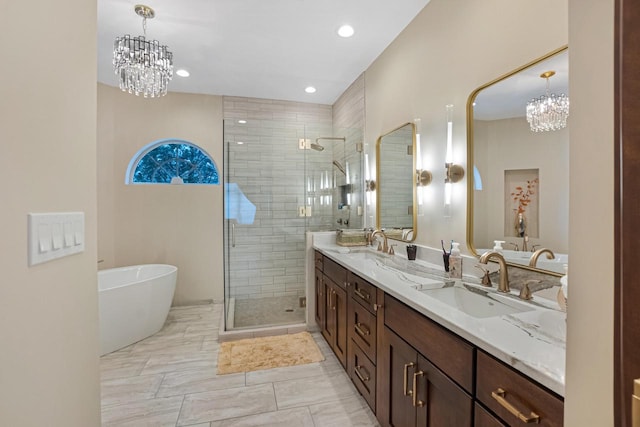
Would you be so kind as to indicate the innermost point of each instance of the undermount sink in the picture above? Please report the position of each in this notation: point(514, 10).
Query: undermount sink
point(473, 301)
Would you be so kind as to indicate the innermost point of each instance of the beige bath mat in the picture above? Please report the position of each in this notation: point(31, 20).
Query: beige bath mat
point(267, 352)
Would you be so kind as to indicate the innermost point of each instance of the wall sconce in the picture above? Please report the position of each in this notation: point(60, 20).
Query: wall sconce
point(453, 172)
point(369, 184)
point(423, 177)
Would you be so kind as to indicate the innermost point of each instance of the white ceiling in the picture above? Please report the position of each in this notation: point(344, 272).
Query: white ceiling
point(260, 48)
point(508, 98)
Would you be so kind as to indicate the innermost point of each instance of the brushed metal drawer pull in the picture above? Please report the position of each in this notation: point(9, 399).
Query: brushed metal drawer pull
point(361, 329)
point(417, 403)
point(362, 295)
point(406, 379)
point(364, 378)
point(500, 394)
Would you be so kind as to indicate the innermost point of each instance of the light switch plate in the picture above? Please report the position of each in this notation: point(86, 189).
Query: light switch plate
point(54, 235)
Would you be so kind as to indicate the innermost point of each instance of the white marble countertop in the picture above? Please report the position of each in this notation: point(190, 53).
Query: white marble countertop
point(532, 342)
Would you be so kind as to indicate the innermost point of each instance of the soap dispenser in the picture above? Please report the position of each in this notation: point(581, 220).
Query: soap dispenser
point(498, 246)
point(455, 262)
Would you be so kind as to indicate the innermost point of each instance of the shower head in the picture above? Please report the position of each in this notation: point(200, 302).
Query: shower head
point(339, 166)
point(316, 146)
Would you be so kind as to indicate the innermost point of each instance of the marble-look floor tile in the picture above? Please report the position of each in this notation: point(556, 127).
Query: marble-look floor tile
point(352, 412)
point(171, 362)
point(294, 372)
point(127, 390)
point(210, 345)
point(121, 367)
point(298, 417)
point(197, 381)
point(154, 412)
point(173, 345)
point(230, 403)
point(307, 391)
point(207, 330)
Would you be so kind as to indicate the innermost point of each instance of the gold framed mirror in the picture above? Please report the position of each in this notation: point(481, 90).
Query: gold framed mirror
point(518, 180)
point(396, 210)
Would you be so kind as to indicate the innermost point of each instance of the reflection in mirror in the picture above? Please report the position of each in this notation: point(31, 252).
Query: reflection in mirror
point(396, 188)
point(519, 188)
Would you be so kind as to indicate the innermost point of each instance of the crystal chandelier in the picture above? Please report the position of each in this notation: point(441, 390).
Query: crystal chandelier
point(548, 112)
point(143, 66)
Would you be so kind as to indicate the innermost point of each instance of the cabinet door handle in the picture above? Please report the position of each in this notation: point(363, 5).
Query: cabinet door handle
point(500, 396)
point(363, 378)
point(417, 403)
point(362, 295)
point(377, 307)
point(406, 377)
point(333, 292)
point(361, 329)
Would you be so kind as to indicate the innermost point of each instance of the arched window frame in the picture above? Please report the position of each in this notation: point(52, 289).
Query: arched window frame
point(135, 160)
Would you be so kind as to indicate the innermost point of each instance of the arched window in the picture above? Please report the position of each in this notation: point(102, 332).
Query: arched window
point(172, 161)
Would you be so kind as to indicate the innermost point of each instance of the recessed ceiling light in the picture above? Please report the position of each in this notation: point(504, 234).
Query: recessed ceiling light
point(242, 122)
point(182, 73)
point(346, 31)
point(310, 89)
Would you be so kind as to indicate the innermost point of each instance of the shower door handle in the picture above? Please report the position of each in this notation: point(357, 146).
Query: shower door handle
point(233, 235)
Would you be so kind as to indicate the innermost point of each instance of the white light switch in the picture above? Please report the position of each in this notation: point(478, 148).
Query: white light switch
point(68, 234)
point(54, 235)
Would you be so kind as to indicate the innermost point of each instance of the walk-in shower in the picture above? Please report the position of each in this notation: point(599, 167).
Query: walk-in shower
point(280, 182)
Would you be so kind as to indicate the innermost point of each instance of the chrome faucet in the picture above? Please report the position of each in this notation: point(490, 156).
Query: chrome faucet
point(503, 283)
point(385, 244)
point(534, 256)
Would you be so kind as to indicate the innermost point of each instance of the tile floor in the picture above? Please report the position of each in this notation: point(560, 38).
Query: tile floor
point(170, 379)
point(270, 311)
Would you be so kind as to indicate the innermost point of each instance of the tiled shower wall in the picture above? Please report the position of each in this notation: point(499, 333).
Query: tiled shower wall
point(268, 257)
point(348, 121)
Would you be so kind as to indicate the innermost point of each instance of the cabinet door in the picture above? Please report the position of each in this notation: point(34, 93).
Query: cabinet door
point(397, 366)
point(439, 400)
point(341, 332)
point(329, 323)
point(321, 305)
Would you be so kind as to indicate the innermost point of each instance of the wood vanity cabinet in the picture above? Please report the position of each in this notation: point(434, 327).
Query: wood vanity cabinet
point(334, 329)
point(513, 397)
point(362, 336)
point(414, 372)
point(412, 390)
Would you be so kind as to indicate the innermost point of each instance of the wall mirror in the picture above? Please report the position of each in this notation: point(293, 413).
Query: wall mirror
point(396, 187)
point(519, 178)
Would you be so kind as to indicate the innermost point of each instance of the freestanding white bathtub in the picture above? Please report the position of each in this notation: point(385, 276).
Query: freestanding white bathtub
point(134, 303)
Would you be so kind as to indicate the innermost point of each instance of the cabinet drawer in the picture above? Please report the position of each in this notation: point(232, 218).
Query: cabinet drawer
point(363, 292)
point(363, 374)
point(520, 394)
point(334, 271)
point(363, 329)
point(484, 418)
point(318, 259)
point(451, 354)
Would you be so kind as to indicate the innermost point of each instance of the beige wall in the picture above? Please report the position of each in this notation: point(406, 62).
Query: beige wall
point(48, 313)
point(589, 386)
point(173, 224)
point(451, 48)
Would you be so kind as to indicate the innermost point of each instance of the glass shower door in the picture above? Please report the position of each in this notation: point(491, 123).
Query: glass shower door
point(264, 234)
